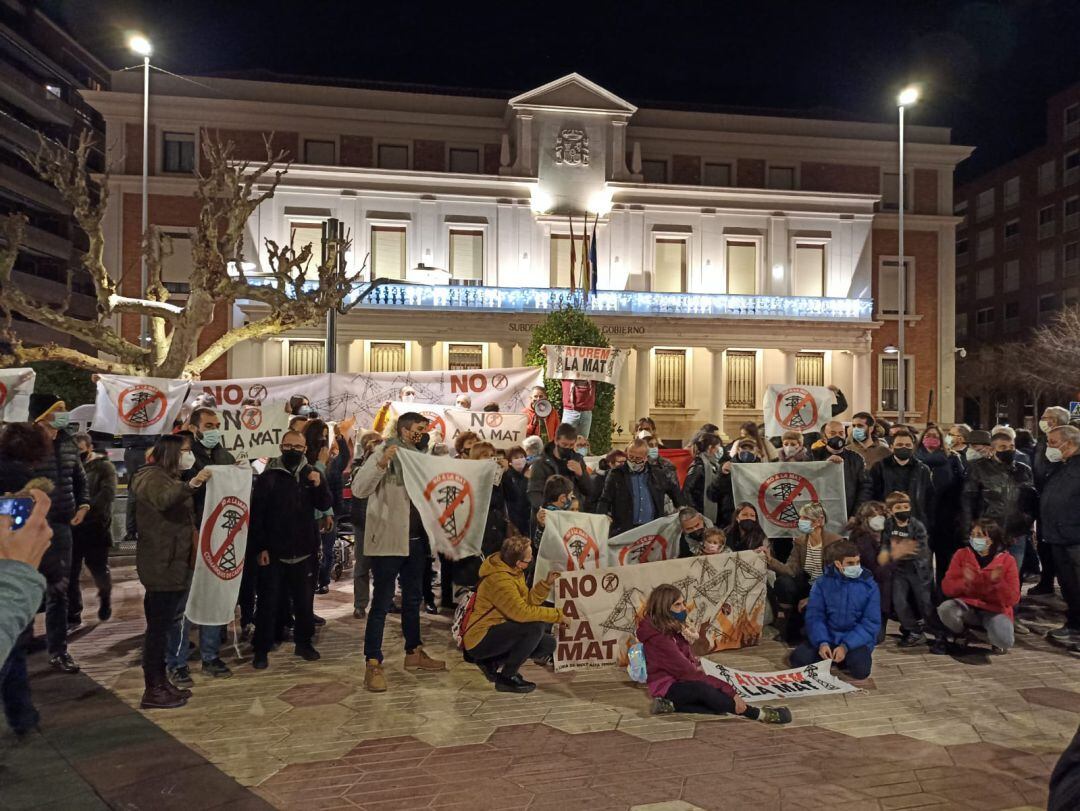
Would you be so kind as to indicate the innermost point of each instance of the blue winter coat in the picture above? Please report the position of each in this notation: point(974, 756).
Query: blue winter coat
point(843, 611)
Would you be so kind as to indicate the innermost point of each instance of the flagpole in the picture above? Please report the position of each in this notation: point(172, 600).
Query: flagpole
point(573, 255)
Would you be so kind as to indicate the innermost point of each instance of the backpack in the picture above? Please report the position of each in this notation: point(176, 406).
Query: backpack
point(636, 665)
point(462, 615)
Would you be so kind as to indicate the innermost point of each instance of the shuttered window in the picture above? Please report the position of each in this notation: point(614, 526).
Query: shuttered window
point(669, 274)
point(303, 233)
point(560, 260)
point(386, 357)
point(742, 268)
point(808, 271)
point(670, 388)
point(465, 356)
point(467, 257)
point(387, 252)
point(810, 369)
point(307, 357)
point(742, 380)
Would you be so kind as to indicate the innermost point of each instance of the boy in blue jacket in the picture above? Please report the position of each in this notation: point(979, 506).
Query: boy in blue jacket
point(843, 615)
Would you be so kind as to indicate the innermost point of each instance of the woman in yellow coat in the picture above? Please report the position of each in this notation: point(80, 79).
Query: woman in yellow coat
point(509, 622)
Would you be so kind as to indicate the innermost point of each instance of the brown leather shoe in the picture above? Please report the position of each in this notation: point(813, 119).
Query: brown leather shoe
point(419, 660)
point(374, 680)
point(177, 691)
point(160, 698)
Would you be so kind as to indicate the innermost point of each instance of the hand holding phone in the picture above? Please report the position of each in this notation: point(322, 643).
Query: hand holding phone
point(24, 533)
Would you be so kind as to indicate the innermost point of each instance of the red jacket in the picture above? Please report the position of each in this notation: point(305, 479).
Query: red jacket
point(995, 588)
point(578, 395)
point(668, 659)
point(533, 423)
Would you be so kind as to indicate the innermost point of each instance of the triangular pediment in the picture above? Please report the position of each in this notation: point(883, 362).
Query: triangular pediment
point(573, 92)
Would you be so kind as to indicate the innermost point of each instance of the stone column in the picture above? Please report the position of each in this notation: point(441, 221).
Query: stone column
point(618, 151)
point(716, 387)
point(643, 381)
point(427, 355)
point(505, 358)
point(861, 397)
point(789, 366)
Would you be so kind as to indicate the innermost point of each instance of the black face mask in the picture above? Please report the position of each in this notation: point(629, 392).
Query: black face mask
point(903, 515)
point(1006, 457)
point(423, 441)
point(292, 459)
point(85, 455)
point(747, 456)
point(835, 443)
point(902, 453)
point(747, 524)
point(697, 534)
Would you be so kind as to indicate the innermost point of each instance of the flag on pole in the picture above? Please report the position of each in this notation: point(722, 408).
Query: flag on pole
point(592, 256)
point(573, 256)
point(586, 275)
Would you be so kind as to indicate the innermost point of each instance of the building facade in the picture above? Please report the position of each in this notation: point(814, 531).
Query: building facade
point(733, 250)
point(42, 70)
point(1018, 258)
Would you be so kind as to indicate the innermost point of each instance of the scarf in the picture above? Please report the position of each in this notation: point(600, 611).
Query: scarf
point(711, 466)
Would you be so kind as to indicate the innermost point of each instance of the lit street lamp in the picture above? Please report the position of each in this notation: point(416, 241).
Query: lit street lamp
point(908, 96)
point(141, 45)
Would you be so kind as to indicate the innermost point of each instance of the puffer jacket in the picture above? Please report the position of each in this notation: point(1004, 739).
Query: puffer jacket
point(668, 659)
point(165, 513)
point(1005, 493)
point(978, 587)
point(64, 469)
point(843, 611)
point(101, 486)
point(503, 596)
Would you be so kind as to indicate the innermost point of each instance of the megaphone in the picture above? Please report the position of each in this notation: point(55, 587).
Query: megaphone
point(542, 408)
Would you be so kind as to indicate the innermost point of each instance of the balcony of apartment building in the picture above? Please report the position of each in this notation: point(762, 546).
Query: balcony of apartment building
point(41, 99)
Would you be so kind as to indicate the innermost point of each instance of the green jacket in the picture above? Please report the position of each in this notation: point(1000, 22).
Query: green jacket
point(101, 487)
point(165, 515)
point(21, 588)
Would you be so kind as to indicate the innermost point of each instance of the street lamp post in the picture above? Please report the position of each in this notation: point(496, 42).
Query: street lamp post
point(141, 45)
point(908, 96)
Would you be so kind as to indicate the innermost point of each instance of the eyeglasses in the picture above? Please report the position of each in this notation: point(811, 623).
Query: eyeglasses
point(292, 447)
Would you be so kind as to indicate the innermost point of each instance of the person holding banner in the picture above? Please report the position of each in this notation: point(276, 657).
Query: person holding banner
point(721, 491)
point(515, 486)
point(843, 616)
point(560, 458)
point(578, 402)
point(317, 439)
point(675, 679)
point(709, 456)
point(835, 449)
point(634, 494)
point(369, 441)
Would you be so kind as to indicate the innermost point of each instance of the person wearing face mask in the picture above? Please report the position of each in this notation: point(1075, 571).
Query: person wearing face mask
point(515, 487)
point(676, 680)
point(835, 449)
point(560, 459)
point(1059, 527)
point(70, 506)
point(947, 476)
point(721, 491)
point(558, 495)
point(634, 494)
point(1042, 469)
point(792, 448)
point(704, 470)
point(538, 426)
point(763, 449)
point(865, 529)
point(905, 473)
point(395, 539)
point(92, 538)
point(843, 615)
point(164, 560)
point(982, 585)
point(804, 566)
point(978, 446)
point(318, 455)
point(284, 535)
point(904, 546)
point(693, 527)
point(509, 622)
point(369, 443)
point(863, 441)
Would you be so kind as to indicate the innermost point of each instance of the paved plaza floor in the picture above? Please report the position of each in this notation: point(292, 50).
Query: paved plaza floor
point(975, 732)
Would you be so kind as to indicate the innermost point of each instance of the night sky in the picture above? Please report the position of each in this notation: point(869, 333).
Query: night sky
point(987, 67)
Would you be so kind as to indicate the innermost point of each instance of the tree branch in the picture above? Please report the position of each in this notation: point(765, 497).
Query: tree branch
point(21, 355)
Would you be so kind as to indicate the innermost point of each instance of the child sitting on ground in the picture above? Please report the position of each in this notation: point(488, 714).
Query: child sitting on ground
point(675, 678)
point(713, 542)
point(903, 541)
point(843, 615)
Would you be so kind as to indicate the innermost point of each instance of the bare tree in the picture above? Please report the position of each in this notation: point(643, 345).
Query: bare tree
point(1051, 358)
point(297, 291)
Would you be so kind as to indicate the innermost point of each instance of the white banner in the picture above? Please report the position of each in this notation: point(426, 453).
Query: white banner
point(219, 560)
point(656, 540)
point(137, 405)
point(571, 541)
point(337, 396)
point(778, 489)
point(253, 432)
point(16, 386)
point(801, 682)
point(501, 429)
point(600, 363)
point(452, 497)
point(604, 606)
point(796, 408)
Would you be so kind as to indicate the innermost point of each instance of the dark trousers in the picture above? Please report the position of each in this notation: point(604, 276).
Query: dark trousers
point(385, 570)
point(911, 596)
point(134, 458)
point(856, 662)
point(249, 580)
point(56, 567)
point(89, 545)
point(1046, 562)
point(789, 591)
point(19, 708)
point(326, 561)
point(1067, 568)
point(279, 581)
point(429, 575)
point(509, 644)
point(446, 581)
point(160, 608)
point(701, 697)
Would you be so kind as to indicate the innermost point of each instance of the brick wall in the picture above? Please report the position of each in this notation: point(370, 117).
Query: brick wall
point(751, 173)
point(491, 163)
point(921, 338)
point(686, 169)
point(133, 149)
point(250, 144)
point(429, 156)
point(357, 150)
point(925, 200)
point(839, 177)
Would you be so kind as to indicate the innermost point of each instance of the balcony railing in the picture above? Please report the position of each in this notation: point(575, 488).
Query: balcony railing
point(610, 302)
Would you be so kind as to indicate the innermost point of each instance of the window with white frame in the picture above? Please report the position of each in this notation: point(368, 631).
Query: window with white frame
point(888, 286)
point(1048, 305)
point(177, 266)
point(1072, 213)
point(670, 378)
point(393, 156)
point(464, 356)
point(669, 265)
point(178, 152)
point(961, 326)
point(1072, 258)
point(984, 205)
point(810, 369)
point(961, 250)
point(781, 177)
point(984, 244)
point(889, 383)
point(1012, 316)
point(1047, 177)
point(1012, 234)
point(1047, 265)
point(1072, 167)
point(741, 379)
point(388, 253)
point(984, 283)
point(1072, 121)
point(466, 161)
point(1010, 196)
point(1011, 280)
point(386, 356)
point(808, 270)
point(742, 267)
point(716, 174)
point(1046, 222)
point(307, 232)
point(984, 322)
point(320, 153)
point(890, 191)
point(466, 257)
point(654, 171)
point(561, 245)
point(306, 357)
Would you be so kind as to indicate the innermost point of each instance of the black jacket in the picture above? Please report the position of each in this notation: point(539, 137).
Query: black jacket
point(948, 472)
point(1005, 493)
point(1041, 467)
point(64, 469)
point(1059, 518)
point(888, 475)
point(549, 465)
point(283, 506)
point(694, 486)
point(856, 482)
point(515, 489)
point(101, 488)
point(617, 499)
point(466, 572)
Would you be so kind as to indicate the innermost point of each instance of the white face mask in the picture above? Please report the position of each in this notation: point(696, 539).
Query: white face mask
point(1054, 455)
point(1044, 426)
point(518, 463)
point(876, 523)
point(187, 460)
